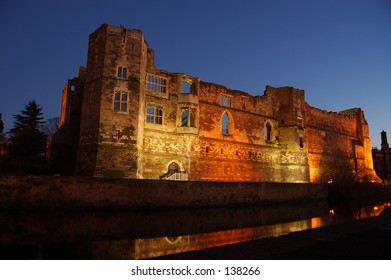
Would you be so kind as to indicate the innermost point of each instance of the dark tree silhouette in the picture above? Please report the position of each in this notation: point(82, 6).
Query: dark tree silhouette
point(2, 136)
point(1, 125)
point(26, 139)
point(50, 126)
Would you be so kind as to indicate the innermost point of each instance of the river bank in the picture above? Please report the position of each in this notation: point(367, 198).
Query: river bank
point(72, 192)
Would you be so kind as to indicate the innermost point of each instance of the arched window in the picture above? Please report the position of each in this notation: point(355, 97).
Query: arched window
point(268, 131)
point(185, 117)
point(188, 117)
point(225, 124)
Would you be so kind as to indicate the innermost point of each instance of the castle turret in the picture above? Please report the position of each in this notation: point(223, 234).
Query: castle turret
point(110, 129)
point(384, 143)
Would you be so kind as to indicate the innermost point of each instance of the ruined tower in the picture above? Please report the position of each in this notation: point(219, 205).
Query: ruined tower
point(110, 130)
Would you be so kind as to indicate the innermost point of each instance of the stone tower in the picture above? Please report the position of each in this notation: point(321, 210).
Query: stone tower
point(384, 142)
point(111, 128)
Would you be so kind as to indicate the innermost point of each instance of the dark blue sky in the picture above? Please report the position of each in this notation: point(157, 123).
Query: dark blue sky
point(338, 51)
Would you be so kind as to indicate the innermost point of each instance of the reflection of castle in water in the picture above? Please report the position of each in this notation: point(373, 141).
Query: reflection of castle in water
point(138, 235)
point(161, 246)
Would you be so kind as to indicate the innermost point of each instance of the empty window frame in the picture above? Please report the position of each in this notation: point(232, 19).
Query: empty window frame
point(186, 87)
point(300, 123)
point(121, 72)
point(225, 124)
point(188, 116)
point(120, 102)
point(156, 83)
point(268, 131)
point(154, 114)
point(225, 101)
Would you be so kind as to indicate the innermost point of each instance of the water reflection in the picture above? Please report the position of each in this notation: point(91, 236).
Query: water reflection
point(139, 235)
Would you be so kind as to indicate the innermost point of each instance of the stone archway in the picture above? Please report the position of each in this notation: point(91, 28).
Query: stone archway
point(174, 171)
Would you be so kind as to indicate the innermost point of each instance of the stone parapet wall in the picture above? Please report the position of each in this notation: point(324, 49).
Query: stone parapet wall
point(62, 192)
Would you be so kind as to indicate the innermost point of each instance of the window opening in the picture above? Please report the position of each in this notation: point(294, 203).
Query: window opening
point(193, 115)
point(185, 117)
point(225, 124)
point(268, 131)
point(157, 84)
point(300, 123)
point(154, 114)
point(121, 72)
point(301, 142)
point(186, 87)
point(120, 101)
point(226, 101)
point(188, 117)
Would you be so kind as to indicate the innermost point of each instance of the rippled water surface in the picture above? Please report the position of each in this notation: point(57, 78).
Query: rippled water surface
point(139, 235)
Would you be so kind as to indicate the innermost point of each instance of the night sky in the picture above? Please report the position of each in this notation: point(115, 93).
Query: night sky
point(338, 51)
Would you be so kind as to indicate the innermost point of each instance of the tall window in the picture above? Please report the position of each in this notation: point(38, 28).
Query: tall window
point(120, 101)
point(300, 123)
point(268, 131)
point(225, 124)
point(188, 116)
point(186, 87)
point(226, 101)
point(121, 72)
point(156, 83)
point(185, 116)
point(154, 114)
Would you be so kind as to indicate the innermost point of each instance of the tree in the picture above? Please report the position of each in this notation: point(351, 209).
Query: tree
point(1, 125)
point(2, 137)
point(26, 139)
point(50, 126)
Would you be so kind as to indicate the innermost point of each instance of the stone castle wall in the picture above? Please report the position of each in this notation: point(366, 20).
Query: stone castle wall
point(172, 123)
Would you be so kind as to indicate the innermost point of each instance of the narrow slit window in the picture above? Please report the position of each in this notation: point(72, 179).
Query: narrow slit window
point(268, 131)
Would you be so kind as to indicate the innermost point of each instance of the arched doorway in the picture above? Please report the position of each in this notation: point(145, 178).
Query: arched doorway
point(174, 172)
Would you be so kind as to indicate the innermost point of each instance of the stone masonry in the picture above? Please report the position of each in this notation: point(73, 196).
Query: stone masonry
point(136, 121)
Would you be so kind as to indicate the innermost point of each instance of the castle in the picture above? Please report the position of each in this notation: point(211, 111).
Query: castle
point(123, 117)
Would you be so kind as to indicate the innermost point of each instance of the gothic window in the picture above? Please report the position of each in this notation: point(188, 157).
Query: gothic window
point(184, 117)
point(268, 131)
point(121, 72)
point(193, 116)
point(225, 101)
point(120, 101)
point(156, 83)
point(154, 114)
point(225, 123)
point(188, 117)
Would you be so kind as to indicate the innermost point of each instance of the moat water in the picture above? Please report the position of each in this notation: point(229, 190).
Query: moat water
point(140, 235)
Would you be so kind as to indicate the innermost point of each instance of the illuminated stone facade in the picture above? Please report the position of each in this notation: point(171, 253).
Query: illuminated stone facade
point(141, 122)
